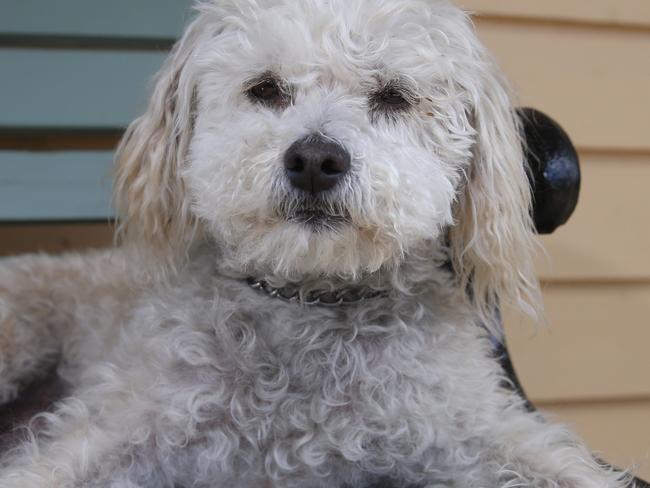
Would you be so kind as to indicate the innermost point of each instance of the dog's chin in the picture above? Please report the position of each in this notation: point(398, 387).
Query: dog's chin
point(310, 243)
point(317, 220)
point(314, 214)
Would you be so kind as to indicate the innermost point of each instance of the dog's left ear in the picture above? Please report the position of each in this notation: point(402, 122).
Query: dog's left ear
point(149, 194)
point(493, 238)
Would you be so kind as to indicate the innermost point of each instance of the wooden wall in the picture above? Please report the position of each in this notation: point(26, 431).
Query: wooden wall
point(74, 73)
point(587, 63)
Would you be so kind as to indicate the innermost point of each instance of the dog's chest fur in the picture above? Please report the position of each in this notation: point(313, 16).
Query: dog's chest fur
point(259, 388)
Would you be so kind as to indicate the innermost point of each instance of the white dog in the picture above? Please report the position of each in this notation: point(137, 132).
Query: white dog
point(323, 202)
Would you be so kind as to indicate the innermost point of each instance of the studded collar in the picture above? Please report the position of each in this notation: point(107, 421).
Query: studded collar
point(324, 298)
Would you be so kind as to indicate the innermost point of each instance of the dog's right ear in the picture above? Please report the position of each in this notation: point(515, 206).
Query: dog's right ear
point(149, 194)
point(492, 242)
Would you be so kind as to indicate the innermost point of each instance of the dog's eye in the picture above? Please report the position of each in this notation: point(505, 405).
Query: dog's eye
point(266, 90)
point(269, 91)
point(392, 98)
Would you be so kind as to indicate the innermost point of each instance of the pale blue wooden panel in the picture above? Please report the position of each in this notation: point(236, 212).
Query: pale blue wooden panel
point(101, 18)
point(55, 185)
point(48, 88)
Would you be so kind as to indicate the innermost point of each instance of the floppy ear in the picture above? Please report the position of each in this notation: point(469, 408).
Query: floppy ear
point(149, 194)
point(493, 239)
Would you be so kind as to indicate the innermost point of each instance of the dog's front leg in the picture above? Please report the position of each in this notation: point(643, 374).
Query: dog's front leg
point(92, 440)
point(104, 436)
point(46, 299)
point(529, 451)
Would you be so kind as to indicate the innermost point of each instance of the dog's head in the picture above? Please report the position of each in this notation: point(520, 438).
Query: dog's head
point(332, 137)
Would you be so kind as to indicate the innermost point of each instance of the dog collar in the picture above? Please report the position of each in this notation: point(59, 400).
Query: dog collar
point(325, 298)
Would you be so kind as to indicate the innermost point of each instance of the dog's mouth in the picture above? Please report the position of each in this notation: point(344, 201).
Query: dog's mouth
point(317, 218)
point(314, 212)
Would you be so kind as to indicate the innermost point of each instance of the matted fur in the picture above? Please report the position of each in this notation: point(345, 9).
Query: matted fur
point(182, 375)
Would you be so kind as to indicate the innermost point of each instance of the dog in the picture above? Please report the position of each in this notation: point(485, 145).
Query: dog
point(320, 213)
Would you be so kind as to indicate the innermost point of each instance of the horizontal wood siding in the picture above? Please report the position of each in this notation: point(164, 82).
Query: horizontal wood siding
point(55, 186)
point(74, 88)
point(53, 237)
point(592, 80)
point(74, 74)
point(94, 18)
point(594, 346)
point(624, 13)
point(608, 237)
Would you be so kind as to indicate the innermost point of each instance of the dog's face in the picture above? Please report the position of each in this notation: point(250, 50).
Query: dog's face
point(331, 137)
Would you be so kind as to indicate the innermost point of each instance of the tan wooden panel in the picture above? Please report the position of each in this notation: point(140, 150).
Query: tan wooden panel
point(52, 238)
point(608, 237)
point(618, 431)
point(594, 81)
point(617, 12)
point(596, 345)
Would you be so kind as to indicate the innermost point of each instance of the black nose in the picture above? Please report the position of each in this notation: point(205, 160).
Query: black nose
point(315, 164)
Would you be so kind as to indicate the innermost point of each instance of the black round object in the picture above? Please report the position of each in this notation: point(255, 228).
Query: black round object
point(315, 164)
point(554, 170)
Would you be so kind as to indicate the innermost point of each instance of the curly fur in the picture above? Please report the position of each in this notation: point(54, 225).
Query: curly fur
point(181, 375)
